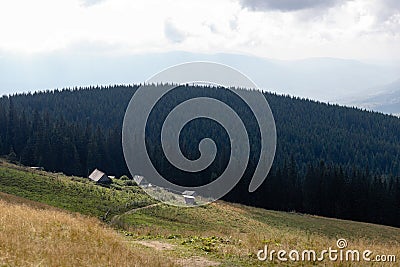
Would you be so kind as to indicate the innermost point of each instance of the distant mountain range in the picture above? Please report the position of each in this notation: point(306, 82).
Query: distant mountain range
point(385, 99)
point(324, 79)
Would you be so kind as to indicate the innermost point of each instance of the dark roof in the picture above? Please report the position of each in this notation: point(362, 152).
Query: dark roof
point(189, 193)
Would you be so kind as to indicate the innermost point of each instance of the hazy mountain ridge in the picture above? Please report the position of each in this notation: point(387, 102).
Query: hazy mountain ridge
point(384, 99)
point(324, 79)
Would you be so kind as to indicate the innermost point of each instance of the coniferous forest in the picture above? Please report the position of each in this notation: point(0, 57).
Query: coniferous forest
point(330, 160)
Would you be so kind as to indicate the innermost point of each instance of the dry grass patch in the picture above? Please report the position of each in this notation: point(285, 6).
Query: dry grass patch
point(48, 237)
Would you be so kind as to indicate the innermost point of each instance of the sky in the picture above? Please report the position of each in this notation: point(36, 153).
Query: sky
point(48, 44)
point(281, 29)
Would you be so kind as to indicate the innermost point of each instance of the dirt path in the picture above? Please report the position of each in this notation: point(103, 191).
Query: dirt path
point(195, 261)
point(157, 245)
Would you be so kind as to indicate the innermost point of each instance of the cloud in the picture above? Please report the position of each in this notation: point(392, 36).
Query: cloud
point(287, 5)
point(88, 3)
point(234, 24)
point(291, 30)
point(172, 33)
point(395, 4)
point(386, 9)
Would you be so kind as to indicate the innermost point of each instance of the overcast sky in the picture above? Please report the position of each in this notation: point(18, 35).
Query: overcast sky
point(281, 29)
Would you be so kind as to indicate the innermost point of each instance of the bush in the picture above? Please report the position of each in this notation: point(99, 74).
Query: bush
point(130, 183)
point(124, 178)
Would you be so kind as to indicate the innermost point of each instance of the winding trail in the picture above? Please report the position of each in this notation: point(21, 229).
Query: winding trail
point(141, 208)
point(116, 217)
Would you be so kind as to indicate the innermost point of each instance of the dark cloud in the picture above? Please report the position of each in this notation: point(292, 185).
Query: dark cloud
point(172, 33)
point(395, 4)
point(387, 9)
point(287, 5)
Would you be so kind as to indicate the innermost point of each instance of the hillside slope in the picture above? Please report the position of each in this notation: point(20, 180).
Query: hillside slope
point(218, 234)
point(33, 234)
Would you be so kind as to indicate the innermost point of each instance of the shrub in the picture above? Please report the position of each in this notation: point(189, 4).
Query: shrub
point(124, 178)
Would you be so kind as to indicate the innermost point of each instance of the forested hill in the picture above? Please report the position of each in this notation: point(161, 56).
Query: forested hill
point(330, 160)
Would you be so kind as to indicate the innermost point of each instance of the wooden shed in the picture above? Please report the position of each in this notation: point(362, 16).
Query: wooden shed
point(189, 200)
point(189, 197)
point(99, 177)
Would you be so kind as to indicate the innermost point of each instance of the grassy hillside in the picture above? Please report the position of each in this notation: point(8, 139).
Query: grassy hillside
point(218, 234)
point(35, 235)
point(70, 193)
point(234, 233)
